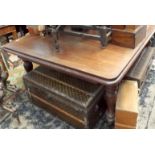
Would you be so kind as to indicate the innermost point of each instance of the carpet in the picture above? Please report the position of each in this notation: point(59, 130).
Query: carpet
point(29, 116)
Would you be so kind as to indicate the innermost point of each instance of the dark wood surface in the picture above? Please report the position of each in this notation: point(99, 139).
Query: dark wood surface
point(80, 57)
point(118, 27)
point(141, 68)
point(128, 27)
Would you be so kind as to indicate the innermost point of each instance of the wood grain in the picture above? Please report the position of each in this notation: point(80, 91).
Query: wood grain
point(132, 27)
point(127, 27)
point(8, 29)
point(128, 37)
point(81, 55)
point(118, 26)
point(140, 69)
point(127, 104)
point(61, 95)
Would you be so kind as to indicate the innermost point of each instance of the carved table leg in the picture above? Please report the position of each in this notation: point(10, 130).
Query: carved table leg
point(14, 35)
point(28, 66)
point(110, 98)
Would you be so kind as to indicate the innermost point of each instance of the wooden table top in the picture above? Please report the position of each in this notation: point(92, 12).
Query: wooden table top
point(80, 56)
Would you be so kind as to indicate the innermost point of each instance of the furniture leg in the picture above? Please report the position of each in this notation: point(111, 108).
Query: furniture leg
point(14, 35)
point(110, 98)
point(28, 66)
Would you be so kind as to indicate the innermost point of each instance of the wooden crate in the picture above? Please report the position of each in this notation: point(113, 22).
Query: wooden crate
point(128, 37)
point(75, 101)
point(127, 105)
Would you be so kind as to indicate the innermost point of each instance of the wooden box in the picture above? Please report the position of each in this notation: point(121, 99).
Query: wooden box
point(127, 105)
point(128, 37)
point(123, 27)
point(132, 27)
point(127, 27)
point(76, 101)
point(118, 26)
point(140, 69)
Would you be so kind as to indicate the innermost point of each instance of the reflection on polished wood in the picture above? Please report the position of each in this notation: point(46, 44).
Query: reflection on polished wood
point(83, 56)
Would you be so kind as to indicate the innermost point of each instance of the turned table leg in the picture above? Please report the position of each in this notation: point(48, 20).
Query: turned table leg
point(28, 66)
point(110, 98)
point(14, 35)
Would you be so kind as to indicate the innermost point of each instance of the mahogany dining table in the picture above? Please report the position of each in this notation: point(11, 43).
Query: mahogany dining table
point(82, 58)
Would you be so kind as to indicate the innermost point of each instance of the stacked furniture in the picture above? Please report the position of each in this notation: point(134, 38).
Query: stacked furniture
point(104, 70)
point(130, 88)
